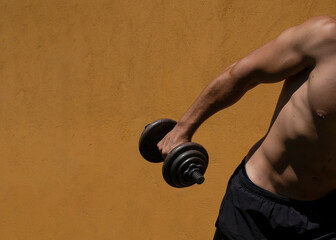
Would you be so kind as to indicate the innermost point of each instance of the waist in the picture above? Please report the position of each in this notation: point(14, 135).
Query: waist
point(243, 178)
point(295, 179)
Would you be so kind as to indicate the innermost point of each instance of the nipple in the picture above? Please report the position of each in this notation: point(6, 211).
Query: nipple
point(321, 114)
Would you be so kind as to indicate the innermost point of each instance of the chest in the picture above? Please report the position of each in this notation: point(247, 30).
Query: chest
point(321, 91)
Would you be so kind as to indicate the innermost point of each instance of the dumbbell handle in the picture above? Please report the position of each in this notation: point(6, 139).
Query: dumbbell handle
point(193, 172)
point(198, 177)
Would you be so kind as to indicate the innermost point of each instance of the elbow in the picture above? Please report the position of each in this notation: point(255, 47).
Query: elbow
point(244, 74)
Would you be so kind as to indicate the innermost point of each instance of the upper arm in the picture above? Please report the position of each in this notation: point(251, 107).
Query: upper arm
point(293, 50)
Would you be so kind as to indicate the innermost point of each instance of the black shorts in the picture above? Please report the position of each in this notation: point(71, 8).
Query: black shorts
point(250, 212)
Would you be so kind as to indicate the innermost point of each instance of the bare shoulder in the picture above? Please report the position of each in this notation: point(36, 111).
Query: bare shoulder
point(321, 24)
point(316, 37)
point(321, 19)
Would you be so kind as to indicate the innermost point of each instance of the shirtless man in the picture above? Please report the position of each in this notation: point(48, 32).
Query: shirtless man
point(285, 187)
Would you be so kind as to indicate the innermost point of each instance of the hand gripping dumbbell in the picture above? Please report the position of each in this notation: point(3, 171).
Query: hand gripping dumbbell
point(184, 166)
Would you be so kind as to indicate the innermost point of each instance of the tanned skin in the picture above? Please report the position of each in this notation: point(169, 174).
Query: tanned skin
point(297, 156)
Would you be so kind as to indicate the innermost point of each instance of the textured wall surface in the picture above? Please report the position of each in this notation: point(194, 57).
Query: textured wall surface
point(79, 79)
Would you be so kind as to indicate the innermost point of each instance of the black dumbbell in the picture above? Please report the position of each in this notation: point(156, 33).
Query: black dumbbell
point(184, 166)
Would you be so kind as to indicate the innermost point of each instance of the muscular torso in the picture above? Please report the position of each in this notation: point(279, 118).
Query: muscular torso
point(297, 156)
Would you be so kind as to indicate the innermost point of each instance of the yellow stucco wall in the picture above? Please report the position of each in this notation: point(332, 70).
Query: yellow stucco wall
point(79, 79)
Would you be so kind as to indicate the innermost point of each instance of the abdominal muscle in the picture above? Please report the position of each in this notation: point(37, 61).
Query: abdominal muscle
point(296, 158)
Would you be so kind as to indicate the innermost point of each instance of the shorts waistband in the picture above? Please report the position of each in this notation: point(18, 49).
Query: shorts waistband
point(250, 186)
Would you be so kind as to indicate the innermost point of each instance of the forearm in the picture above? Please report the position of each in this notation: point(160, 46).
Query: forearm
point(222, 92)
